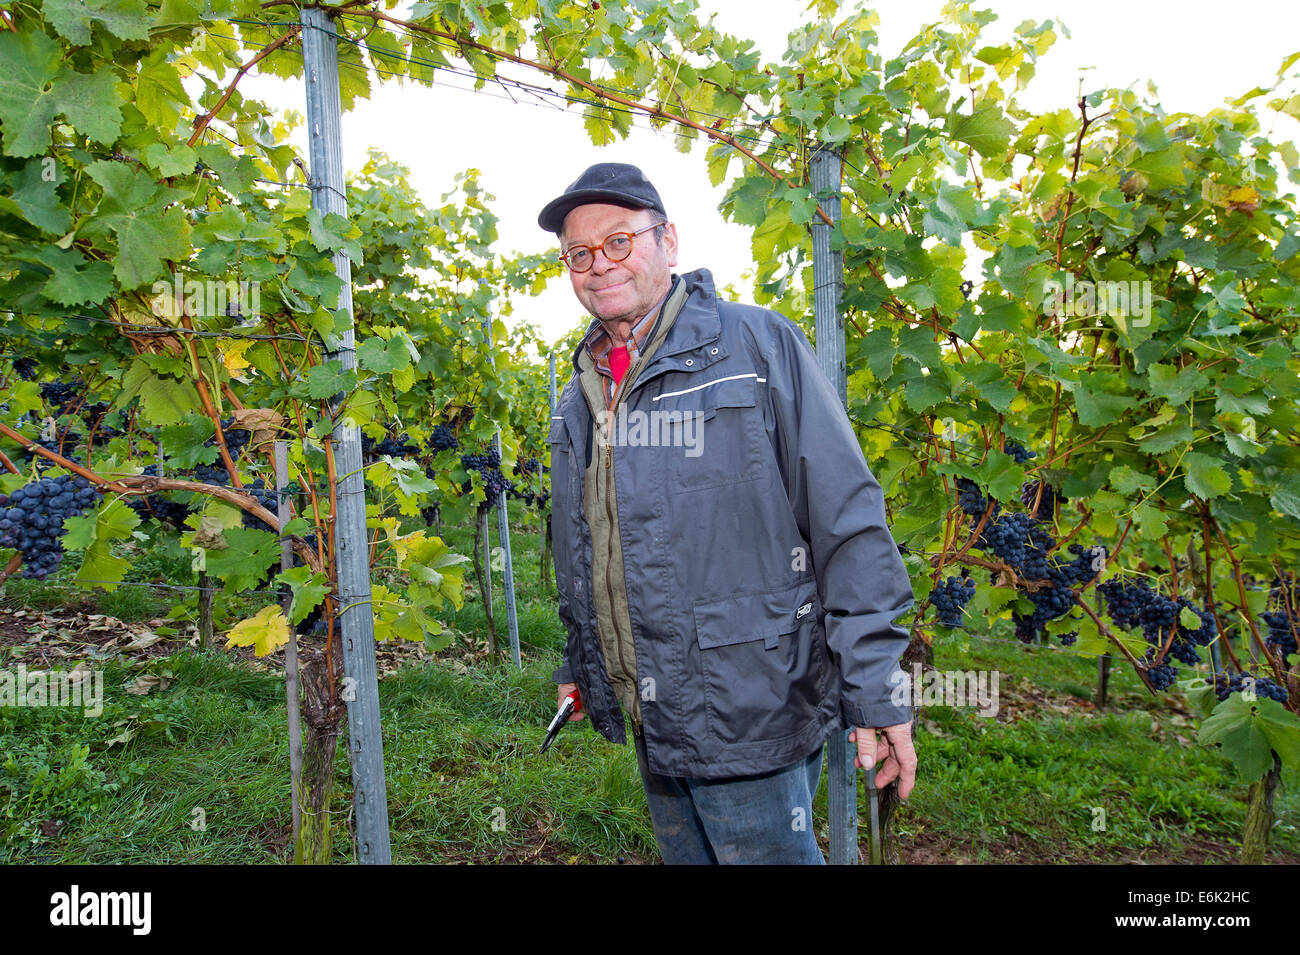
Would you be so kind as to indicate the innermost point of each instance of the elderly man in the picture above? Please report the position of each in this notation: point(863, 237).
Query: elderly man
point(725, 573)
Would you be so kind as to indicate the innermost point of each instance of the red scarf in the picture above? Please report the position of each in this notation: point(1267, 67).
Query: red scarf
point(618, 362)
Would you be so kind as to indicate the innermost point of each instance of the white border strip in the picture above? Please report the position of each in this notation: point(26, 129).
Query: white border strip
point(686, 391)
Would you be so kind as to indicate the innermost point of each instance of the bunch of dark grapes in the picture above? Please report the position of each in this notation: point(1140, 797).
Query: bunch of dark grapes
point(442, 439)
point(1018, 452)
point(1203, 635)
point(1124, 598)
point(208, 474)
point(1131, 603)
point(1080, 569)
point(95, 414)
point(161, 509)
point(1281, 620)
point(1161, 676)
point(488, 465)
point(236, 438)
point(1050, 602)
point(268, 498)
point(481, 462)
point(1069, 639)
point(971, 500)
point(495, 484)
point(1243, 682)
point(950, 597)
point(26, 368)
point(1281, 637)
point(32, 517)
point(61, 395)
point(1007, 537)
point(1157, 614)
point(1047, 505)
point(1025, 545)
point(399, 447)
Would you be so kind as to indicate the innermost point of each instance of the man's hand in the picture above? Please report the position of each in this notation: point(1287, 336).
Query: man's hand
point(564, 690)
point(896, 756)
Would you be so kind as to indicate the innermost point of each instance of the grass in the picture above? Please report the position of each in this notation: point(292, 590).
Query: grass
point(466, 784)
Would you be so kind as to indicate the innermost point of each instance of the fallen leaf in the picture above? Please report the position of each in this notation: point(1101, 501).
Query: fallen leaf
point(142, 640)
point(143, 684)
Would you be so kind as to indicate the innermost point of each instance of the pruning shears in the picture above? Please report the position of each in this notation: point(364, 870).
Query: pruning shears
point(572, 704)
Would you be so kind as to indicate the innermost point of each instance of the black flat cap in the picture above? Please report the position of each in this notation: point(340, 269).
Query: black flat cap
point(616, 183)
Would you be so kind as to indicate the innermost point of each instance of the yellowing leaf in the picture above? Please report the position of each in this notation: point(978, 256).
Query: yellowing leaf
point(266, 630)
point(232, 355)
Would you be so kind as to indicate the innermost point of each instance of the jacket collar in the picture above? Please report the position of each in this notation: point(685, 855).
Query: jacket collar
point(697, 323)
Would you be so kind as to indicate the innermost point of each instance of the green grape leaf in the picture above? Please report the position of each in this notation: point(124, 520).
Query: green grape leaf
point(164, 400)
point(383, 357)
point(986, 129)
point(183, 442)
point(328, 379)
point(91, 103)
point(947, 216)
point(1177, 386)
point(309, 589)
point(1163, 169)
point(125, 19)
point(1286, 498)
point(243, 564)
point(29, 63)
point(1001, 475)
point(100, 566)
point(1100, 399)
point(75, 281)
point(176, 160)
point(35, 193)
point(1204, 475)
point(1248, 731)
point(990, 383)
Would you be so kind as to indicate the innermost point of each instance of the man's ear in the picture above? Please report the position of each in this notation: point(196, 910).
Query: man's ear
point(670, 243)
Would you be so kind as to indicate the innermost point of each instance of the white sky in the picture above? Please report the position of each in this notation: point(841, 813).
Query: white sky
point(1198, 53)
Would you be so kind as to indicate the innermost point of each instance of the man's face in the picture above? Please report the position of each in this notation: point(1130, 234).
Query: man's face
point(620, 291)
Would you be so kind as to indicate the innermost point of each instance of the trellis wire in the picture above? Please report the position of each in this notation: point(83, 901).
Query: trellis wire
point(540, 93)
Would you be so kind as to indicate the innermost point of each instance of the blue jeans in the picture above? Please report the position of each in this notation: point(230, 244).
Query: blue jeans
point(756, 820)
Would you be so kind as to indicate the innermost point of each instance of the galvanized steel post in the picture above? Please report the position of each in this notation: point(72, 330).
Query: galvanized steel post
point(503, 535)
point(828, 284)
point(356, 618)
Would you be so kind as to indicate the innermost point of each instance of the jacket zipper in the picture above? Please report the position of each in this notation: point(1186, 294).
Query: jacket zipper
point(609, 583)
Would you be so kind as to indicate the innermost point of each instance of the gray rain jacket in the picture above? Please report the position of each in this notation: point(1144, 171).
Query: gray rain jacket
point(762, 581)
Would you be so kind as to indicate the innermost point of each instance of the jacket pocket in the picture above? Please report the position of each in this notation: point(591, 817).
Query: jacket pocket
point(764, 662)
point(716, 430)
